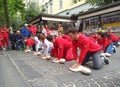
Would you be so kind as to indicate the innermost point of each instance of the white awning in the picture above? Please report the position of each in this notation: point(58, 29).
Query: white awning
point(57, 19)
point(100, 12)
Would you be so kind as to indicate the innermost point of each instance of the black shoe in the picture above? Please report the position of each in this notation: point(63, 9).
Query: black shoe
point(106, 60)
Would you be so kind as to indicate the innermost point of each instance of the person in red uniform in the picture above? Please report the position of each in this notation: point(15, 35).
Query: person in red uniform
point(67, 37)
point(114, 38)
point(5, 31)
point(47, 30)
point(1, 39)
point(61, 46)
point(87, 49)
point(104, 40)
point(32, 29)
point(29, 42)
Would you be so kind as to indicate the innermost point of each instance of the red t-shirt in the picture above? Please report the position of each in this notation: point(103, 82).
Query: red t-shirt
point(104, 42)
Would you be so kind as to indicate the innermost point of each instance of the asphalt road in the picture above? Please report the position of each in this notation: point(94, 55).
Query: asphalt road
point(9, 75)
point(20, 69)
point(45, 73)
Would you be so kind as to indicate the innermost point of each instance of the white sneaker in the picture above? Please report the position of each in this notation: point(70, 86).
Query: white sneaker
point(62, 61)
point(105, 54)
point(4, 48)
point(44, 57)
point(26, 51)
point(55, 60)
point(48, 57)
point(37, 53)
point(82, 69)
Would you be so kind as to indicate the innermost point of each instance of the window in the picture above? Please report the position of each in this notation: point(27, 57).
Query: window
point(51, 5)
point(72, 1)
point(46, 9)
point(60, 4)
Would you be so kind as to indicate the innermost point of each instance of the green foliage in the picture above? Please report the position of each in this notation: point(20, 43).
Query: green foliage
point(32, 10)
point(18, 12)
point(75, 1)
point(14, 7)
point(100, 2)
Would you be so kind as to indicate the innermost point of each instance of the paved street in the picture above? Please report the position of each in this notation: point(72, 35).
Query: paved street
point(9, 75)
point(44, 73)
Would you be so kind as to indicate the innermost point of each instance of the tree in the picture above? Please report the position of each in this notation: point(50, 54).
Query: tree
point(8, 9)
point(32, 10)
point(100, 2)
point(5, 4)
point(75, 1)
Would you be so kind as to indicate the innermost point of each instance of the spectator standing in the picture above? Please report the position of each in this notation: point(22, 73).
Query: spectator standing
point(24, 31)
point(5, 31)
point(47, 30)
point(44, 30)
point(60, 29)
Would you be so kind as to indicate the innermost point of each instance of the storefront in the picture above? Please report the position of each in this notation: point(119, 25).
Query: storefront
point(53, 20)
point(103, 17)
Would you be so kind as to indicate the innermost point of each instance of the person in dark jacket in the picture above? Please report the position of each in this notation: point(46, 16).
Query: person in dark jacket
point(19, 40)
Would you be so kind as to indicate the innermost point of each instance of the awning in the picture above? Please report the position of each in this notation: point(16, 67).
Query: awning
point(113, 9)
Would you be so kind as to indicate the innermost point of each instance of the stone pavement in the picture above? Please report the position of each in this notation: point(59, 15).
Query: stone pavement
point(44, 73)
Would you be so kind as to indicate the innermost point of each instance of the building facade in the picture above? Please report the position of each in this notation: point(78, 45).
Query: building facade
point(65, 7)
point(37, 2)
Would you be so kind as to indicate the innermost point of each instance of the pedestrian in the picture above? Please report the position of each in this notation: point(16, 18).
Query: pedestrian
point(5, 31)
point(38, 45)
point(62, 48)
point(1, 39)
point(24, 31)
point(67, 37)
point(44, 30)
point(60, 29)
point(39, 30)
point(87, 49)
point(104, 40)
point(19, 40)
point(47, 46)
point(32, 29)
point(114, 38)
point(29, 43)
point(47, 30)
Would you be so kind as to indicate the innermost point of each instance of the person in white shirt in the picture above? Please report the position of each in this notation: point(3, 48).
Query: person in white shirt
point(38, 45)
point(47, 46)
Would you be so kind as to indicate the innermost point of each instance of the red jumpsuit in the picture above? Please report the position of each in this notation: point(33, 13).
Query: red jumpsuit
point(67, 38)
point(104, 42)
point(113, 37)
point(86, 45)
point(5, 36)
point(1, 39)
point(62, 48)
point(30, 42)
point(32, 29)
point(48, 31)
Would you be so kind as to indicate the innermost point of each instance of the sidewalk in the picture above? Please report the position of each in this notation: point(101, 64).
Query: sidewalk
point(44, 73)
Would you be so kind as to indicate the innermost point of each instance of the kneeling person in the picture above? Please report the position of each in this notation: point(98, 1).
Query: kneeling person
point(87, 49)
point(62, 47)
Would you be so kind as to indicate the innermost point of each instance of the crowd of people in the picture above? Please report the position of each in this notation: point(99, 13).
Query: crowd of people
point(95, 46)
